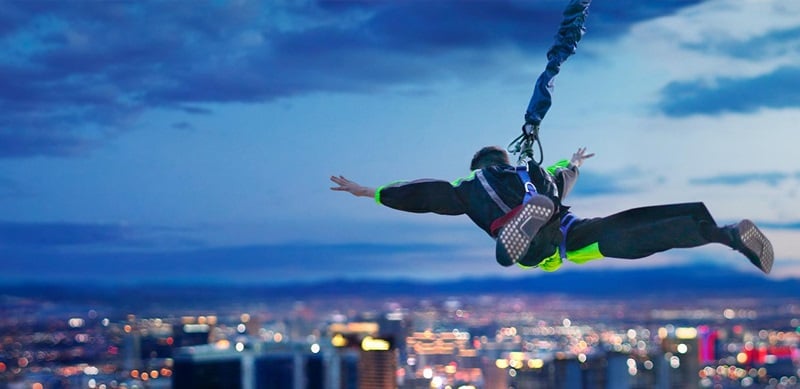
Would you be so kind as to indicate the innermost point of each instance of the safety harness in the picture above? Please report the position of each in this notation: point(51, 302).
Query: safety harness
point(530, 190)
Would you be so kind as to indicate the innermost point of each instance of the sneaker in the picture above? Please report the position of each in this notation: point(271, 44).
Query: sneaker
point(514, 238)
point(750, 241)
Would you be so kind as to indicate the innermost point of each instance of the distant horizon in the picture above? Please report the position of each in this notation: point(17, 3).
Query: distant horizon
point(514, 273)
point(683, 273)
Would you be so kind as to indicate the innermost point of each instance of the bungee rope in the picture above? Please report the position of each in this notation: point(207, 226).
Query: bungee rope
point(566, 43)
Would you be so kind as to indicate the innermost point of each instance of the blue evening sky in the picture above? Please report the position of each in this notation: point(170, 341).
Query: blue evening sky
point(193, 141)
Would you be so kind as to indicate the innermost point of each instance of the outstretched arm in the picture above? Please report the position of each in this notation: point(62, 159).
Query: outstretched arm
point(418, 196)
point(351, 187)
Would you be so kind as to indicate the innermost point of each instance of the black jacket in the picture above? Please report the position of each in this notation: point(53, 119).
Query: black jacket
point(469, 196)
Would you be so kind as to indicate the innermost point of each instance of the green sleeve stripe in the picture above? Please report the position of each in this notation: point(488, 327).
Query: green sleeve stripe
point(382, 187)
point(562, 164)
point(467, 178)
point(378, 194)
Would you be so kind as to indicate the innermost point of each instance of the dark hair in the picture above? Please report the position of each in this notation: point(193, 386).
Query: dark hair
point(489, 156)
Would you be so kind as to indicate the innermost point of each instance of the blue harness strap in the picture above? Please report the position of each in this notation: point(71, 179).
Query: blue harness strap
point(530, 189)
point(566, 223)
point(566, 220)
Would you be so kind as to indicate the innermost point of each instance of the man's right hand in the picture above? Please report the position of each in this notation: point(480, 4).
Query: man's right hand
point(579, 156)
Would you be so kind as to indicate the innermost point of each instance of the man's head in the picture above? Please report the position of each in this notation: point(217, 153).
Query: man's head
point(489, 156)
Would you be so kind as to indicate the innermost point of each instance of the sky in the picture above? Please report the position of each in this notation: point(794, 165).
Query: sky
point(194, 141)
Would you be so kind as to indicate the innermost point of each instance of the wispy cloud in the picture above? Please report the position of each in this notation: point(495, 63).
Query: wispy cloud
point(10, 188)
point(53, 237)
point(782, 226)
point(591, 183)
point(776, 89)
point(256, 263)
point(59, 234)
point(76, 74)
point(611, 19)
point(773, 43)
point(769, 178)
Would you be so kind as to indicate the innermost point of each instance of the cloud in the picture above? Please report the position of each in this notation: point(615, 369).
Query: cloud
point(771, 44)
point(781, 226)
point(592, 183)
point(59, 234)
point(255, 263)
point(769, 178)
point(612, 19)
point(10, 188)
point(777, 89)
point(75, 75)
point(53, 237)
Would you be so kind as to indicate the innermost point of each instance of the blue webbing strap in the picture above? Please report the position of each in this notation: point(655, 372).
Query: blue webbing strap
point(566, 223)
point(530, 189)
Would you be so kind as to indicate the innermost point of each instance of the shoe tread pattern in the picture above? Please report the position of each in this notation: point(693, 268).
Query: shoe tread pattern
point(515, 237)
point(755, 241)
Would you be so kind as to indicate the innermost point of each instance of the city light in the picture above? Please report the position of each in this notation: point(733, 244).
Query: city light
point(338, 341)
point(195, 328)
point(536, 363)
point(686, 333)
point(517, 347)
point(76, 322)
point(372, 344)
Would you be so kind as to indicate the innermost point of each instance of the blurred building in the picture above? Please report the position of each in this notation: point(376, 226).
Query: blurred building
point(209, 367)
point(375, 355)
point(682, 355)
point(377, 364)
point(193, 330)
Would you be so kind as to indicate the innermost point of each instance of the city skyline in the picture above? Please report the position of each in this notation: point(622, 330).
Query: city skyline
point(138, 140)
point(706, 340)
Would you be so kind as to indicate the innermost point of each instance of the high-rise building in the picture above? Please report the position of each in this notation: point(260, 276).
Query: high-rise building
point(193, 331)
point(707, 344)
point(681, 352)
point(376, 364)
point(494, 377)
point(377, 367)
point(209, 367)
point(281, 370)
point(131, 349)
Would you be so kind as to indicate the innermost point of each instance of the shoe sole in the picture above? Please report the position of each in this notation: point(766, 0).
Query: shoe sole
point(754, 240)
point(514, 239)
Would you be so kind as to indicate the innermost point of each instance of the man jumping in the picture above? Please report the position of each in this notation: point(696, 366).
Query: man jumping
point(522, 208)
